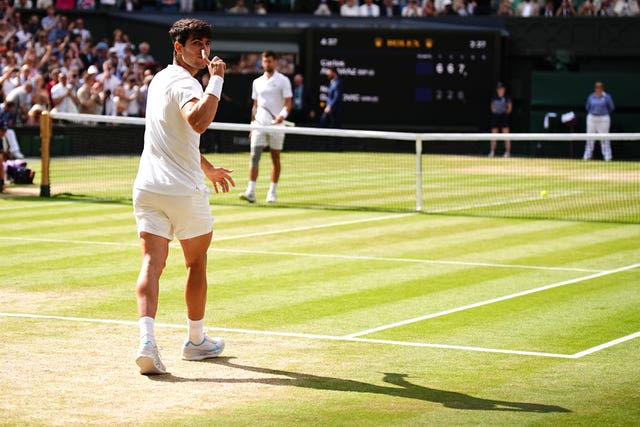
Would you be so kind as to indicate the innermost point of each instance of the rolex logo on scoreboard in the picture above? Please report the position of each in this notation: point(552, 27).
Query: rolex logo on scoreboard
point(378, 42)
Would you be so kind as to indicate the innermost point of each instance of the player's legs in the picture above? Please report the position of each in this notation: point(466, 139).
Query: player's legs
point(195, 258)
point(276, 144)
point(276, 167)
point(155, 250)
point(257, 146)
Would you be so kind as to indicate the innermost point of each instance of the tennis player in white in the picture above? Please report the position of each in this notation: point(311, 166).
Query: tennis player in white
point(170, 197)
point(272, 102)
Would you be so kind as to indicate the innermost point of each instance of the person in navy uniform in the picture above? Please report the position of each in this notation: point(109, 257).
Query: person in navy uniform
point(500, 109)
point(332, 115)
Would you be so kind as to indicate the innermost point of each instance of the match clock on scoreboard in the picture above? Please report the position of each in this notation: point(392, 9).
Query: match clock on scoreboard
point(438, 79)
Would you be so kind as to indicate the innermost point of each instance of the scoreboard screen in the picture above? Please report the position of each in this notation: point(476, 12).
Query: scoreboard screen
point(431, 79)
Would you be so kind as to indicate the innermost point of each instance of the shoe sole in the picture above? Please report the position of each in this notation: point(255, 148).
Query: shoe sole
point(203, 356)
point(147, 366)
point(243, 197)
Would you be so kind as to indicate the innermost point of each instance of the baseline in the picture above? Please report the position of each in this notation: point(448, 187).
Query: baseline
point(340, 338)
point(299, 335)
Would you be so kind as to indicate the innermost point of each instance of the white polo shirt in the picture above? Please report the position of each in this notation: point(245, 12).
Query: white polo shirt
point(170, 161)
point(270, 94)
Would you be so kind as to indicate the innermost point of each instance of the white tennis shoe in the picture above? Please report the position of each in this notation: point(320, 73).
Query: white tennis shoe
point(207, 349)
point(271, 197)
point(148, 359)
point(249, 197)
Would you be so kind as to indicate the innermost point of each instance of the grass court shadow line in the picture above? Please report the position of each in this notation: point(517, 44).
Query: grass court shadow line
point(399, 387)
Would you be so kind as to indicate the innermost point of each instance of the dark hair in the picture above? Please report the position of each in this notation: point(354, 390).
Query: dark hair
point(335, 70)
point(183, 29)
point(269, 54)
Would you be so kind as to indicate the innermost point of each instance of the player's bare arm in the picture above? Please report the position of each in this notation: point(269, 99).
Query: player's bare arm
point(219, 177)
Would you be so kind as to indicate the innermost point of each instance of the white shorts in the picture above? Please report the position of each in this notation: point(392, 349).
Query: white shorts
point(273, 140)
point(168, 215)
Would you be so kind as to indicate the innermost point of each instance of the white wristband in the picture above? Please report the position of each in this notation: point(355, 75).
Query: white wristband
point(284, 113)
point(215, 86)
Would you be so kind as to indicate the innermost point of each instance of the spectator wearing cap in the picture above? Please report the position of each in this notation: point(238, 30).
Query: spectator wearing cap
point(102, 54)
point(90, 97)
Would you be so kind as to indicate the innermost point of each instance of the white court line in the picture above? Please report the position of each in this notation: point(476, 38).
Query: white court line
point(491, 301)
point(300, 335)
point(407, 260)
point(314, 255)
point(217, 239)
point(606, 345)
point(313, 227)
point(500, 203)
point(22, 206)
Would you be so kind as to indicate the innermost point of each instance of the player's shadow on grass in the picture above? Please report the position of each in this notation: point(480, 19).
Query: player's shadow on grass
point(400, 387)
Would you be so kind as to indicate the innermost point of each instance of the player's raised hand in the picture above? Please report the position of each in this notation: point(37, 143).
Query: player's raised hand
point(216, 66)
point(221, 179)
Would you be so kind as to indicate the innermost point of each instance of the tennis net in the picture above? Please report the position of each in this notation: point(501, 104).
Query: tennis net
point(97, 158)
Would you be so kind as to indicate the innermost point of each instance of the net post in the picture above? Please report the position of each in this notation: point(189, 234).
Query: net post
point(45, 145)
point(419, 173)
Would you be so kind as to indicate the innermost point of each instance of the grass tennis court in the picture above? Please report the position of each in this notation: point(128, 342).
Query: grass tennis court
point(333, 318)
point(451, 184)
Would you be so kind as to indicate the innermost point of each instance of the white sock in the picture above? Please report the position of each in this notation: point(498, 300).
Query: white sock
point(146, 329)
point(251, 188)
point(272, 187)
point(196, 330)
